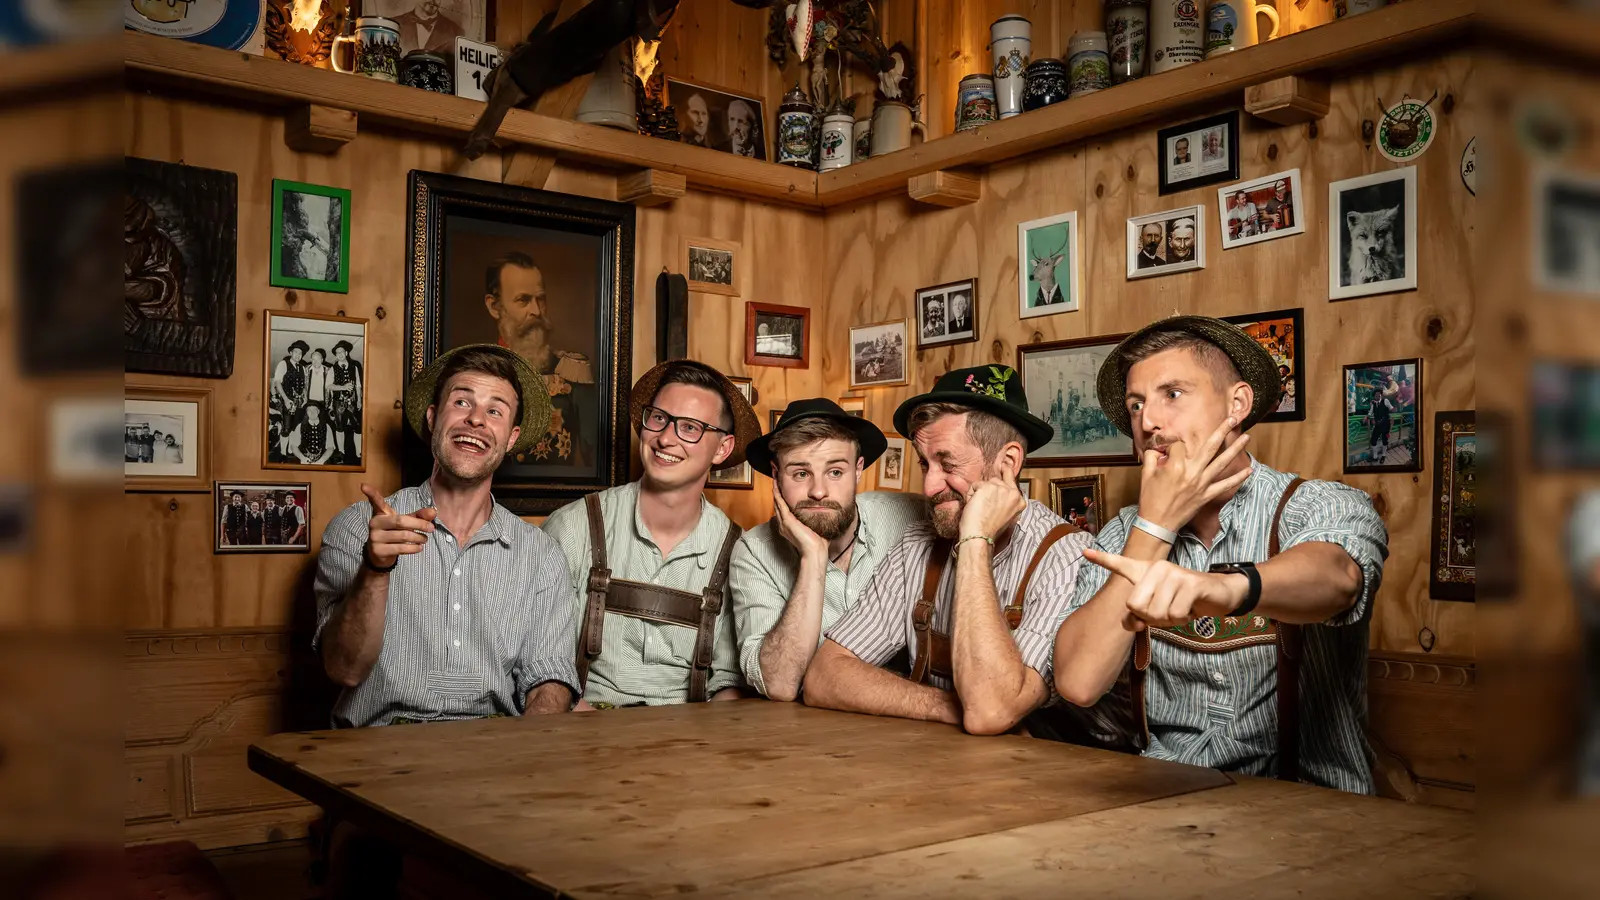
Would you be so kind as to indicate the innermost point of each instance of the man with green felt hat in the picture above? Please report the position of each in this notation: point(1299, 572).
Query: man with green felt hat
point(975, 593)
point(1232, 601)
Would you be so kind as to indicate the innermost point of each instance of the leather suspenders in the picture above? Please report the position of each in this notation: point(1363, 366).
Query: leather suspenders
point(1289, 640)
point(651, 602)
point(933, 647)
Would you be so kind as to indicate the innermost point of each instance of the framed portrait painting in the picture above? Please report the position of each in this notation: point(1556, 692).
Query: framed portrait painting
point(947, 314)
point(1383, 416)
point(1372, 241)
point(1282, 334)
point(1261, 210)
point(1166, 243)
point(718, 119)
point(314, 379)
point(1059, 378)
point(261, 517)
point(1080, 499)
point(1198, 153)
point(1453, 546)
point(166, 433)
point(1047, 260)
point(742, 476)
point(879, 354)
point(777, 335)
point(549, 275)
point(310, 237)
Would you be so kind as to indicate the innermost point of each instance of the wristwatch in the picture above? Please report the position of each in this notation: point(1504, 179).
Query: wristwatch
point(1248, 570)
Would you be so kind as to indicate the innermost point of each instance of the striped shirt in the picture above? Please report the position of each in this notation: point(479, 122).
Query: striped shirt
point(765, 566)
point(1220, 709)
point(1583, 550)
point(467, 632)
point(643, 661)
point(881, 624)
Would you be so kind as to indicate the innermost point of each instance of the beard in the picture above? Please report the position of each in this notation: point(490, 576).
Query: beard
point(534, 324)
point(827, 518)
point(471, 468)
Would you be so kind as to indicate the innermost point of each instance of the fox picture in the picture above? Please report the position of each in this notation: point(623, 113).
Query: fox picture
point(1374, 255)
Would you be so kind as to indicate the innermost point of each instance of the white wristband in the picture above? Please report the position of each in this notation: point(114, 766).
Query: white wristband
point(1155, 531)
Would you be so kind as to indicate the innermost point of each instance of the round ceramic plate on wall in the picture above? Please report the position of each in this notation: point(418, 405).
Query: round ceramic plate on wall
point(230, 24)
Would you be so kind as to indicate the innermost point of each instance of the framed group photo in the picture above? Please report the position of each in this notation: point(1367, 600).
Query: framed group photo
point(315, 383)
point(1166, 243)
point(1198, 153)
point(1383, 416)
point(777, 335)
point(1060, 378)
point(947, 314)
point(1372, 244)
point(1047, 260)
point(1261, 210)
point(1080, 499)
point(879, 355)
point(262, 517)
point(718, 119)
point(1453, 546)
point(740, 477)
point(310, 237)
point(1282, 334)
point(710, 265)
point(166, 438)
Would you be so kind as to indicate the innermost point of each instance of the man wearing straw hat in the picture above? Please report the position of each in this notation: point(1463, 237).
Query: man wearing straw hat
point(1256, 585)
point(648, 560)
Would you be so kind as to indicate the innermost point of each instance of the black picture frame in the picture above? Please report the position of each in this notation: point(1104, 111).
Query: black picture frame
point(1398, 417)
point(1230, 172)
point(441, 205)
point(1297, 318)
point(1454, 508)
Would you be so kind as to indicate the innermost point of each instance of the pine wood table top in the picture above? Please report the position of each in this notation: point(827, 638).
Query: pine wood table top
point(780, 800)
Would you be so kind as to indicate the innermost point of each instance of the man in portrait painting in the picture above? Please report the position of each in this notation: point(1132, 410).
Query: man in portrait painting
point(1150, 237)
point(743, 132)
point(1180, 243)
point(425, 27)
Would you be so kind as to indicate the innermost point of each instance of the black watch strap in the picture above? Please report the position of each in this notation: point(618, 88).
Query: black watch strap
point(366, 560)
point(1248, 570)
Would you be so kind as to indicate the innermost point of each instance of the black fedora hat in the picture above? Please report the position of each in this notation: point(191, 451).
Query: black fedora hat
point(994, 389)
point(1254, 363)
point(869, 438)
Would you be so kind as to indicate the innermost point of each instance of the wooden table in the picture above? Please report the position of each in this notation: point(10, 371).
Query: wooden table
point(778, 800)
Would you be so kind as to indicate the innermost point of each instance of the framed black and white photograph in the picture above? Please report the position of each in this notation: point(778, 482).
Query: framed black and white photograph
point(549, 275)
point(1047, 261)
point(711, 266)
point(1282, 334)
point(433, 25)
point(742, 476)
point(777, 335)
point(892, 464)
point(1198, 153)
point(166, 434)
point(315, 381)
point(879, 354)
point(718, 119)
point(310, 237)
point(82, 439)
point(1372, 246)
point(1261, 210)
point(1566, 221)
point(1453, 545)
point(262, 517)
point(947, 314)
point(1059, 378)
point(1080, 499)
point(1383, 416)
point(1166, 243)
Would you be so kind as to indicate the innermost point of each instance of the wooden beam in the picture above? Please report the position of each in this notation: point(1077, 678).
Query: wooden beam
point(1290, 100)
point(313, 128)
point(945, 187)
point(651, 187)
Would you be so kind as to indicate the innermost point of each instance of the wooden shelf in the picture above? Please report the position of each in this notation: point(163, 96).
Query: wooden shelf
point(47, 70)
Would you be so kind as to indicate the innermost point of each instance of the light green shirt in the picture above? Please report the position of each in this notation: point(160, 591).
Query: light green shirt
point(765, 566)
point(643, 661)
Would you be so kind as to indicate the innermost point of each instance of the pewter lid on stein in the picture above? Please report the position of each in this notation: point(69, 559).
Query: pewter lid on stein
point(797, 97)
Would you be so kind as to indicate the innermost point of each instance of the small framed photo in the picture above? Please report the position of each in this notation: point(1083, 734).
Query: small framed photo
point(1199, 153)
point(1025, 486)
point(314, 379)
point(1383, 416)
point(1059, 378)
point(1372, 248)
point(1453, 574)
point(1166, 243)
point(855, 406)
point(1564, 415)
point(892, 465)
point(166, 433)
point(262, 517)
point(710, 264)
point(310, 237)
point(742, 476)
point(1080, 499)
point(878, 356)
point(777, 335)
point(1047, 260)
point(718, 119)
point(1566, 220)
point(80, 429)
point(947, 314)
point(773, 415)
point(1282, 334)
point(1261, 210)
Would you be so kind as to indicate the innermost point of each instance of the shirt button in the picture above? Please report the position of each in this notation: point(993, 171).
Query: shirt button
point(449, 539)
point(1218, 677)
point(457, 643)
point(456, 606)
point(456, 573)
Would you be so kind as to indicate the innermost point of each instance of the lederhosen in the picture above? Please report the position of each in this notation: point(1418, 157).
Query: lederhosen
point(932, 653)
point(1226, 636)
point(651, 602)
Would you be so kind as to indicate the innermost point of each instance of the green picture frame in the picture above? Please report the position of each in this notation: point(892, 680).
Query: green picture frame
point(317, 241)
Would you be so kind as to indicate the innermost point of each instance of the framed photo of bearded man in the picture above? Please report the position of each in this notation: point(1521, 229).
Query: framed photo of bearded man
point(1047, 261)
point(315, 381)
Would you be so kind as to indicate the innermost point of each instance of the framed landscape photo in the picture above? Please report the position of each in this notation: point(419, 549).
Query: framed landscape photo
point(878, 354)
point(1453, 546)
point(777, 335)
point(1282, 334)
point(1261, 210)
point(1372, 244)
point(1059, 378)
point(742, 476)
point(1047, 260)
point(310, 237)
point(718, 119)
point(1080, 499)
point(1566, 225)
point(892, 465)
point(710, 265)
point(315, 383)
point(166, 438)
point(1383, 416)
point(947, 314)
point(262, 517)
point(1166, 243)
point(1198, 153)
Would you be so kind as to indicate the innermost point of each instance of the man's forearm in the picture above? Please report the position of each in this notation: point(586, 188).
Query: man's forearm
point(990, 677)
point(837, 679)
point(1092, 645)
point(353, 637)
point(548, 697)
point(1309, 583)
point(787, 649)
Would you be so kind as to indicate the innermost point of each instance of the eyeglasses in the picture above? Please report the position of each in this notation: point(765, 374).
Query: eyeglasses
point(689, 430)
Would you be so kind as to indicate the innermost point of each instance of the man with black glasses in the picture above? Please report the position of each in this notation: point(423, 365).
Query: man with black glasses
point(649, 559)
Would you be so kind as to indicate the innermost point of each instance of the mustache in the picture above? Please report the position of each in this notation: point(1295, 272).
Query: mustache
point(945, 496)
point(820, 504)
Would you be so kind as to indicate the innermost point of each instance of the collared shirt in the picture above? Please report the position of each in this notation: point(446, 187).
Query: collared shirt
point(881, 624)
point(467, 632)
point(1583, 551)
point(1220, 709)
point(643, 661)
point(765, 566)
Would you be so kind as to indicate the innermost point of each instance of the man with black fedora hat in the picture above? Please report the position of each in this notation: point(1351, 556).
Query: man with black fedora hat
point(976, 592)
point(795, 575)
point(648, 560)
point(1255, 585)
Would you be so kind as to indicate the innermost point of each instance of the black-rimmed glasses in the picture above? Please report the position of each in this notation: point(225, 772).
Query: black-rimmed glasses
point(689, 430)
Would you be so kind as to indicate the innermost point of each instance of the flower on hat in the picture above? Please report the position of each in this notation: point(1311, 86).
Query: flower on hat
point(995, 387)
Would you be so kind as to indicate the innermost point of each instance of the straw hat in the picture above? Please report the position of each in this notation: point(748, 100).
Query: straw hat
point(746, 426)
point(535, 396)
point(1254, 363)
